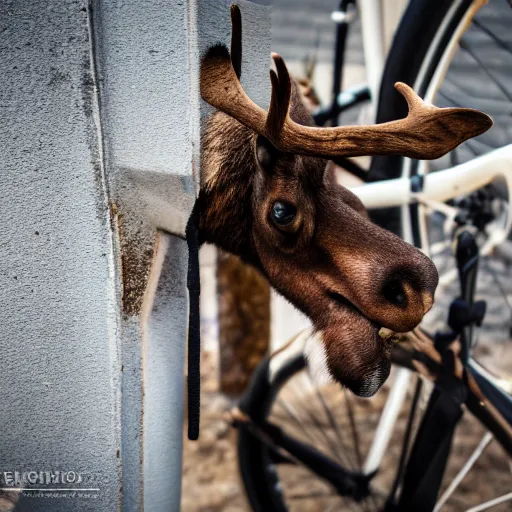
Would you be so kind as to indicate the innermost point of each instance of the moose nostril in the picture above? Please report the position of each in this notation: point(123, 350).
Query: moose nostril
point(394, 292)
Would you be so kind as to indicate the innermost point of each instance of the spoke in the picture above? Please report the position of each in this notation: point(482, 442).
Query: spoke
point(290, 411)
point(498, 283)
point(266, 440)
point(467, 97)
point(478, 146)
point(464, 470)
point(332, 446)
point(335, 427)
point(450, 99)
point(451, 84)
point(492, 35)
point(316, 440)
point(406, 444)
point(441, 251)
point(324, 467)
point(492, 503)
point(296, 419)
point(467, 48)
point(469, 146)
point(355, 435)
point(437, 206)
point(454, 161)
point(327, 494)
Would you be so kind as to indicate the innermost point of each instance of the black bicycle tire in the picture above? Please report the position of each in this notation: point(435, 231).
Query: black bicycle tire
point(405, 59)
point(253, 454)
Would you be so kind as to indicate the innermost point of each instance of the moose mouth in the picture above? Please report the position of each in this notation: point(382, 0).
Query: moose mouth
point(385, 334)
point(357, 349)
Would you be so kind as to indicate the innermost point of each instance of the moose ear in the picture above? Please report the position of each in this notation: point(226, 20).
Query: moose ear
point(266, 153)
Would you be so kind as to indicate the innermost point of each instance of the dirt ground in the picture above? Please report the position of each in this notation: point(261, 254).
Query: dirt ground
point(210, 471)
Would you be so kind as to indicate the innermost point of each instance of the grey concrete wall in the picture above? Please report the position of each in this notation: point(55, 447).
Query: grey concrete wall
point(164, 357)
point(100, 130)
point(59, 338)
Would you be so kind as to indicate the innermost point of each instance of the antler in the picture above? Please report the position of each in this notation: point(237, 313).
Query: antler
point(428, 132)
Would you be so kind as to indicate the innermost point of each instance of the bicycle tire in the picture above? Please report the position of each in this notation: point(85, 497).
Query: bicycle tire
point(260, 472)
point(405, 59)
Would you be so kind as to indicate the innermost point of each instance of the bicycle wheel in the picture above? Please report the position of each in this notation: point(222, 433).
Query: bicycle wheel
point(341, 428)
point(466, 62)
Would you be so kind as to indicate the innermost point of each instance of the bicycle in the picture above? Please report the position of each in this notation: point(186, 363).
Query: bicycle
point(466, 203)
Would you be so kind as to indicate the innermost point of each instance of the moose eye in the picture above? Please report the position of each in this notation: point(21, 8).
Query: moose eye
point(283, 214)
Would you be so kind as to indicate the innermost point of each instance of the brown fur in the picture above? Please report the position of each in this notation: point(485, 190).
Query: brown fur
point(336, 249)
point(348, 275)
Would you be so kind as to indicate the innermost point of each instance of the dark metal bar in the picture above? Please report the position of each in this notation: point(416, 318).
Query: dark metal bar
point(347, 483)
point(343, 101)
point(339, 57)
point(467, 256)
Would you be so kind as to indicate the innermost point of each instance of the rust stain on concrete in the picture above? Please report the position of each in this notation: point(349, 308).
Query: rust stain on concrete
point(137, 242)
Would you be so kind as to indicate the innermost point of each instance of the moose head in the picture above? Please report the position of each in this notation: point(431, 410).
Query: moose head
point(269, 197)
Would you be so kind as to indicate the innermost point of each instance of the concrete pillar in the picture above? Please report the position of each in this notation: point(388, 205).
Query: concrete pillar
point(59, 286)
point(99, 168)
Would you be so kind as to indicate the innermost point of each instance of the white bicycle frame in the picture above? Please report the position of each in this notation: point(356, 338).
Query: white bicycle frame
point(495, 166)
